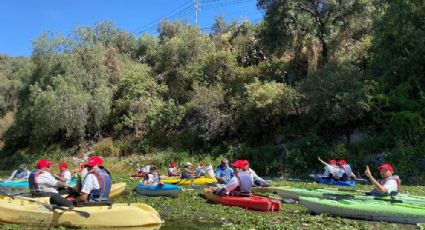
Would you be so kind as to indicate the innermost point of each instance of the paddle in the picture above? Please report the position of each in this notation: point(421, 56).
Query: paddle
point(48, 206)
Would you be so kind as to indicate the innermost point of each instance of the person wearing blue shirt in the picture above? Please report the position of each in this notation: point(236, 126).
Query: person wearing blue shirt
point(223, 173)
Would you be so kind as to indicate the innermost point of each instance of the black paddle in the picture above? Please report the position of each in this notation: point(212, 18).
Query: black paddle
point(48, 206)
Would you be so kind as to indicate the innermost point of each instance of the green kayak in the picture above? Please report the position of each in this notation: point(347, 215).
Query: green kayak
point(377, 210)
point(296, 193)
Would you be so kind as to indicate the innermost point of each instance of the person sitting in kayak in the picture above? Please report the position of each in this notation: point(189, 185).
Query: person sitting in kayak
point(43, 183)
point(223, 172)
point(188, 172)
point(97, 183)
point(172, 169)
point(152, 178)
point(21, 173)
point(240, 184)
point(332, 171)
point(64, 174)
point(257, 181)
point(348, 172)
point(390, 184)
point(209, 171)
point(200, 170)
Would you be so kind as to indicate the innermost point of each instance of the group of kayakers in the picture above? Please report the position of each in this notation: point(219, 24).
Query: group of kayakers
point(95, 186)
point(341, 171)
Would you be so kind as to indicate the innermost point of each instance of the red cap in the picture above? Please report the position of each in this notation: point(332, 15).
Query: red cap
point(386, 167)
point(63, 165)
point(43, 163)
point(94, 161)
point(342, 162)
point(172, 164)
point(332, 162)
point(201, 163)
point(238, 164)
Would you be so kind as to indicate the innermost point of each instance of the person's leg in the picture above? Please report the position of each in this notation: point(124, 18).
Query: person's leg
point(57, 199)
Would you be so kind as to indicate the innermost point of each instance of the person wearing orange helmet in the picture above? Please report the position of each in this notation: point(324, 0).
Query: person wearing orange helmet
point(389, 184)
point(97, 183)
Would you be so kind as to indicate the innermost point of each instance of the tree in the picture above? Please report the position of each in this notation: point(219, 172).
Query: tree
point(292, 24)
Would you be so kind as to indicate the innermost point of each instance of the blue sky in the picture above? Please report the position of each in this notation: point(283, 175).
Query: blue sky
point(21, 21)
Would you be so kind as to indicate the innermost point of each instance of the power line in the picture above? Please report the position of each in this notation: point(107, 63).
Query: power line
point(178, 10)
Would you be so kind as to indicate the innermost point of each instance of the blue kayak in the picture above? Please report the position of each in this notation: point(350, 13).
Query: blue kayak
point(25, 183)
point(335, 182)
point(158, 190)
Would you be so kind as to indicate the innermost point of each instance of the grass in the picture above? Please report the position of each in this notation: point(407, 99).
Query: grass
point(192, 211)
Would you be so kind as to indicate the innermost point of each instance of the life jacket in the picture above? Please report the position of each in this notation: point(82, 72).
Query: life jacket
point(395, 177)
point(245, 181)
point(172, 171)
point(105, 184)
point(62, 174)
point(33, 181)
point(21, 174)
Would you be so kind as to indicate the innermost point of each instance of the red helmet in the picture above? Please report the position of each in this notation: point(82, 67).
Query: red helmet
point(332, 162)
point(386, 167)
point(63, 165)
point(94, 161)
point(172, 164)
point(43, 164)
point(201, 164)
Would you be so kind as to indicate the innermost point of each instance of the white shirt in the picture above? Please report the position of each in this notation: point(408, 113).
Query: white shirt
point(209, 172)
point(90, 183)
point(391, 186)
point(47, 183)
point(66, 175)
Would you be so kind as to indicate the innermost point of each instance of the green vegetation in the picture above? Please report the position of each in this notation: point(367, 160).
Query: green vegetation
point(329, 78)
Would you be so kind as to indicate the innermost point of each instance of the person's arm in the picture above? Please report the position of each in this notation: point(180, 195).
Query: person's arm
point(81, 198)
point(323, 162)
point(375, 183)
point(13, 175)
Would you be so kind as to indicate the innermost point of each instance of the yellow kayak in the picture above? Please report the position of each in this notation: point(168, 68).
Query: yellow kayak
point(185, 182)
point(116, 190)
point(22, 210)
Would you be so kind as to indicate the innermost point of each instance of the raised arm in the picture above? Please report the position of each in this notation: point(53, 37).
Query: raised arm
point(375, 183)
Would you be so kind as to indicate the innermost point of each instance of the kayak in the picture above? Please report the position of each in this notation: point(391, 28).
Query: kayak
point(369, 210)
point(23, 211)
point(158, 190)
point(296, 193)
point(25, 183)
point(185, 182)
point(335, 182)
point(267, 189)
point(116, 190)
point(257, 203)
